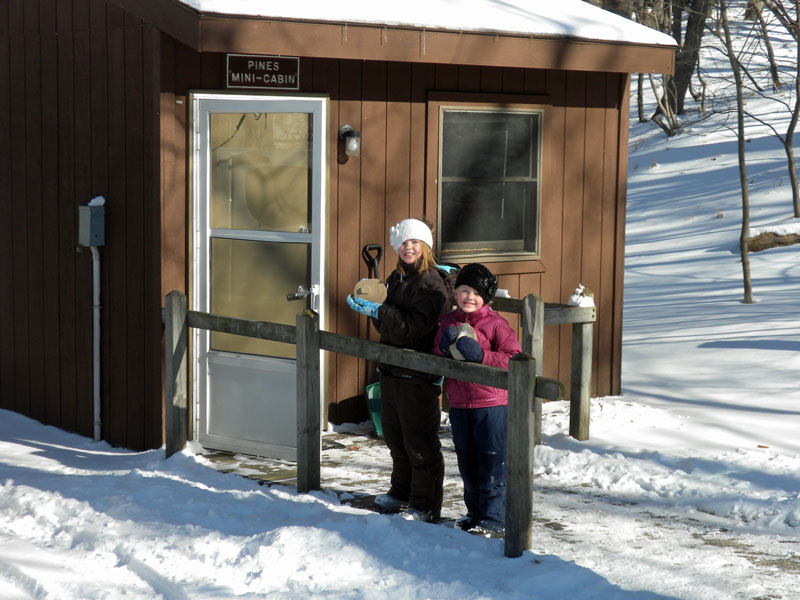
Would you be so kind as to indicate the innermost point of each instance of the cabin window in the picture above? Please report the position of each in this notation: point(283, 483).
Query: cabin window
point(489, 165)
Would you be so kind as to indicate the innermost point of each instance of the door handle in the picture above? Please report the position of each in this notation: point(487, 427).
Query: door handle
point(300, 293)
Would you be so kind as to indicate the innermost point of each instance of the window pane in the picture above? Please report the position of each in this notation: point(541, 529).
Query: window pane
point(260, 171)
point(487, 217)
point(250, 280)
point(489, 182)
point(489, 144)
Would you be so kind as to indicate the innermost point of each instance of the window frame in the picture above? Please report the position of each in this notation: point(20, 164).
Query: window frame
point(438, 104)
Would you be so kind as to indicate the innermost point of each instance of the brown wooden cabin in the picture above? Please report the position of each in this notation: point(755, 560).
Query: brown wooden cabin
point(96, 99)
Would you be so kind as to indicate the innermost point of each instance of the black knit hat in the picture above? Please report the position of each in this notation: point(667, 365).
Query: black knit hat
point(479, 278)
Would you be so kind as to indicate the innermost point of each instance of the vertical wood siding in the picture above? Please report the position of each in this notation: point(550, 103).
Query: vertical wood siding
point(7, 325)
point(78, 120)
point(67, 219)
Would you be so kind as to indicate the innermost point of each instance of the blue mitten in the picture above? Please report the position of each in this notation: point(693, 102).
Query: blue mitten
point(447, 338)
point(365, 307)
point(470, 349)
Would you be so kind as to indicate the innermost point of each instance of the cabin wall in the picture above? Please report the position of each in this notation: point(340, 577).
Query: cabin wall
point(93, 102)
point(78, 106)
point(582, 197)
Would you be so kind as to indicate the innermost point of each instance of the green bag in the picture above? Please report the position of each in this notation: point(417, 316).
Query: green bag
point(374, 404)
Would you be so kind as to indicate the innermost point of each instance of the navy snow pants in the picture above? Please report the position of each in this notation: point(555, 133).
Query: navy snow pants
point(479, 437)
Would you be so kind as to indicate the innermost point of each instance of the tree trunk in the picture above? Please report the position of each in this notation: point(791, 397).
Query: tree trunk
point(670, 124)
point(677, 20)
point(688, 56)
point(640, 97)
point(787, 145)
point(737, 76)
point(623, 8)
point(793, 123)
point(791, 23)
point(783, 15)
point(773, 66)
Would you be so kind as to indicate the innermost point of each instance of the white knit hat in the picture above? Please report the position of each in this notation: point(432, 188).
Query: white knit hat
point(409, 229)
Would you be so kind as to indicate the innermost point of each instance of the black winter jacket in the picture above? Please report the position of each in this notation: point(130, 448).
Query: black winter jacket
point(409, 317)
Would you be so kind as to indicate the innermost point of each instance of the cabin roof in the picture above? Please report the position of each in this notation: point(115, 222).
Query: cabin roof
point(539, 18)
point(563, 34)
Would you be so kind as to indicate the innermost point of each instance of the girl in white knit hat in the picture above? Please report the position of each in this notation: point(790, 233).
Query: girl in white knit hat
point(416, 299)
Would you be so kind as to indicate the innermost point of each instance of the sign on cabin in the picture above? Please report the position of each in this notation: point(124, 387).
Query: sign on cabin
point(250, 71)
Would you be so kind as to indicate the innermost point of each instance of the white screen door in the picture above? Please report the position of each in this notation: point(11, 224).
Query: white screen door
point(258, 244)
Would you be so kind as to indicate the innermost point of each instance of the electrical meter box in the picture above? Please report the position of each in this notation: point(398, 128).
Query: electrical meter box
point(91, 225)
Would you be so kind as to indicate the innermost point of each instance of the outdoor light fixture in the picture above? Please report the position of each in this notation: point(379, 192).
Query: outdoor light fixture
point(352, 140)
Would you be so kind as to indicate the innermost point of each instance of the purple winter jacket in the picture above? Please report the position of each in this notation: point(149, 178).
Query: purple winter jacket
point(498, 342)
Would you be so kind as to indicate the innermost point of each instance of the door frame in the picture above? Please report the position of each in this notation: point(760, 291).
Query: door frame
point(198, 298)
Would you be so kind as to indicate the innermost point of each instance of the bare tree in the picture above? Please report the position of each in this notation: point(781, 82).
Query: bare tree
point(656, 14)
point(786, 14)
point(676, 19)
point(753, 46)
point(754, 13)
point(737, 75)
point(640, 98)
point(665, 117)
point(620, 7)
point(667, 16)
point(750, 47)
point(700, 95)
point(688, 56)
point(789, 18)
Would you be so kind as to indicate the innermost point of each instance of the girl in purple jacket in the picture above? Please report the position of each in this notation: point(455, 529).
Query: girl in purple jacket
point(478, 413)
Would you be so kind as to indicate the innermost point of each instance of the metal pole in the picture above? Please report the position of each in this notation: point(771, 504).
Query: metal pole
point(96, 340)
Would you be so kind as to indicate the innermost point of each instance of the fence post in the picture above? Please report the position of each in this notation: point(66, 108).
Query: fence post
point(533, 343)
point(175, 364)
point(580, 380)
point(519, 454)
point(309, 432)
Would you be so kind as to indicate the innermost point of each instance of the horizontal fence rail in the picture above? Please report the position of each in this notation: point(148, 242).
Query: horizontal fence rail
point(549, 389)
point(263, 330)
point(526, 387)
point(554, 314)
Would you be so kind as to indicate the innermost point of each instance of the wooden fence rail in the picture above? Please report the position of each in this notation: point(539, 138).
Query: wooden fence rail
point(526, 387)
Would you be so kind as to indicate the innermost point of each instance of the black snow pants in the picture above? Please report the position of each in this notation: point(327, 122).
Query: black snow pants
point(410, 417)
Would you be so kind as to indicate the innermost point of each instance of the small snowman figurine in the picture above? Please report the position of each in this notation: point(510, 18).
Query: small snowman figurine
point(582, 296)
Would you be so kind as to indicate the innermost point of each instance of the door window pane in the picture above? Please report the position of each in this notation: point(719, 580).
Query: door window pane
point(261, 171)
point(250, 280)
point(489, 182)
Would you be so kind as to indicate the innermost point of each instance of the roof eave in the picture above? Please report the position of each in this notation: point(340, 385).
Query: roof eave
point(407, 44)
point(206, 32)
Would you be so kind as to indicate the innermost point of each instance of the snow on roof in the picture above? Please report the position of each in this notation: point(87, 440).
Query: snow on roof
point(538, 18)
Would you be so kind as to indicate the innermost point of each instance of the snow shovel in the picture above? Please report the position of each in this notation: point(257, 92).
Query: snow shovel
point(373, 289)
point(370, 260)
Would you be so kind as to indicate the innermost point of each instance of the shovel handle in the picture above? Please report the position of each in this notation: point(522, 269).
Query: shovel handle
point(370, 260)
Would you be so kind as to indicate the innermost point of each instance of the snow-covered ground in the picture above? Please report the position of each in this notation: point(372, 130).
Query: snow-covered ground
point(688, 488)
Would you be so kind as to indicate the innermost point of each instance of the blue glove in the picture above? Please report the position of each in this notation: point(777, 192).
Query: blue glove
point(447, 338)
point(470, 349)
point(365, 307)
